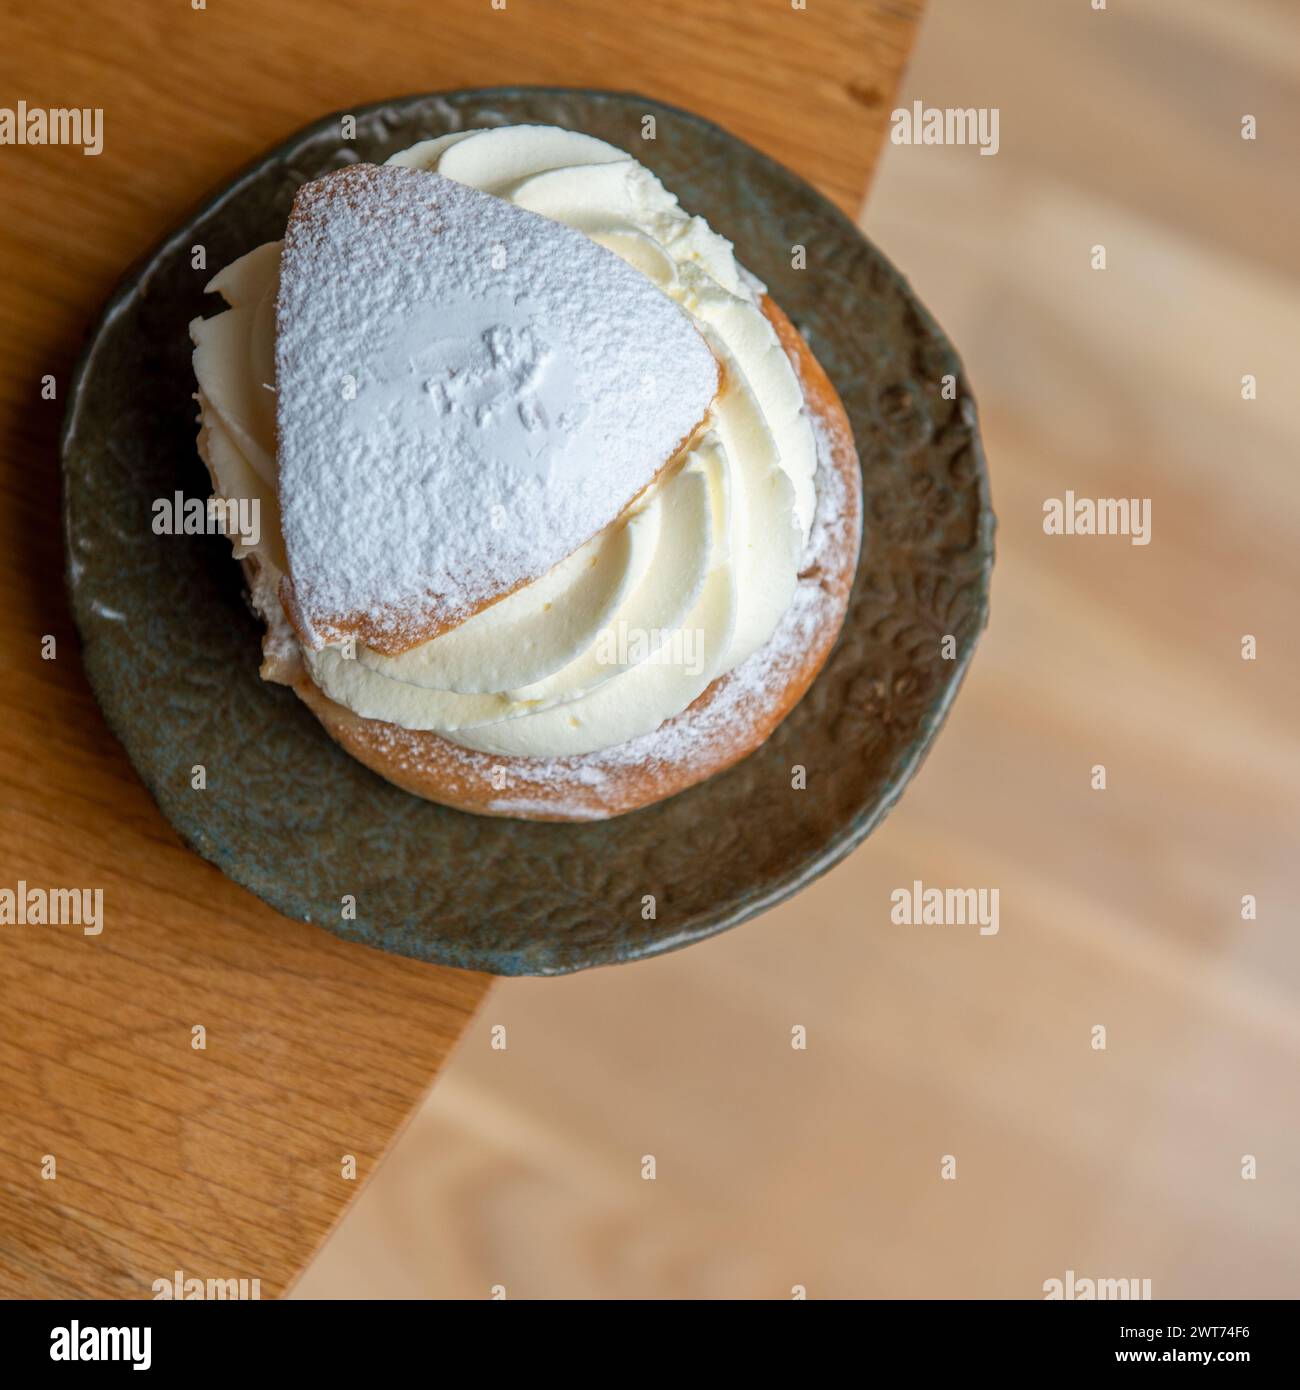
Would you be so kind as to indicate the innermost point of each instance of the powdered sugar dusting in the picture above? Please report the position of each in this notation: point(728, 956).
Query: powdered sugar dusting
point(467, 392)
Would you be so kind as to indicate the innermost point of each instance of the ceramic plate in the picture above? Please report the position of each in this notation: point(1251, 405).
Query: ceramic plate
point(172, 650)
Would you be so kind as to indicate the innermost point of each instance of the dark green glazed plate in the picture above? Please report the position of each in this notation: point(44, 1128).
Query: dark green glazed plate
point(172, 650)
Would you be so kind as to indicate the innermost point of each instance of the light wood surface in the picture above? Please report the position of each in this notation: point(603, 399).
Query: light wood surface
point(1122, 908)
point(227, 1162)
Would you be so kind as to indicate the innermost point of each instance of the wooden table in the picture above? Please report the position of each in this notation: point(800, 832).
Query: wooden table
point(126, 1153)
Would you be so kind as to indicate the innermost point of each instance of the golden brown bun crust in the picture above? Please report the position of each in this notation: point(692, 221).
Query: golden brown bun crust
point(728, 721)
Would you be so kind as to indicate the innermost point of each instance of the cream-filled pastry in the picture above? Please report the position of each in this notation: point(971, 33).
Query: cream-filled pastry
point(558, 513)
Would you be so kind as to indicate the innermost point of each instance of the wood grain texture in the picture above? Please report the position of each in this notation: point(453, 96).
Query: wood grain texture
point(226, 1162)
point(1121, 908)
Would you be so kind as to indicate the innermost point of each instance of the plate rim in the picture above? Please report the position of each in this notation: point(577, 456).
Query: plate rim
point(703, 924)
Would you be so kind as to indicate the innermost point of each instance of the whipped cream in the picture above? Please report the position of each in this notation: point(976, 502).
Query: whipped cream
point(631, 628)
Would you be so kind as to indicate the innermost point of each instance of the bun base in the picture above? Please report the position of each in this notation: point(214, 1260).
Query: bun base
point(726, 723)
